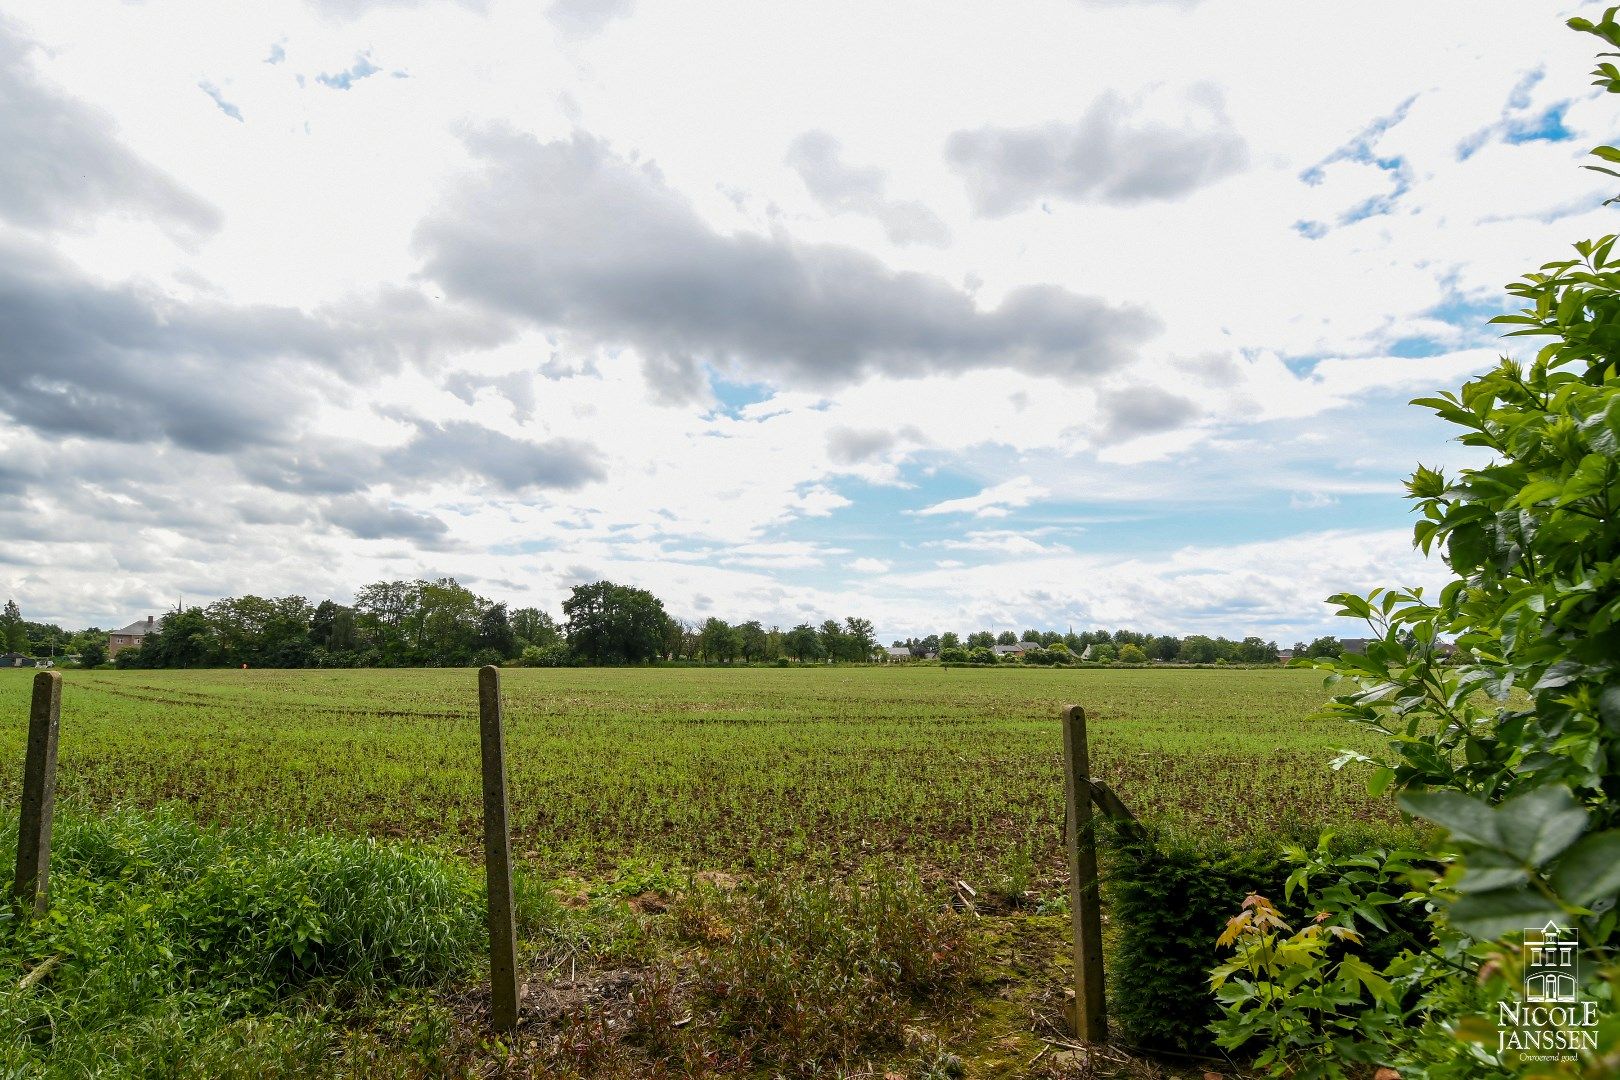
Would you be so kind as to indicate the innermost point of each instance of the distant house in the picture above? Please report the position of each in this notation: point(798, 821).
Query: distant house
point(1284, 655)
point(130, 636)
point(1017, 650)
point(15, 659)
point(1355, 645)
point(896, 653)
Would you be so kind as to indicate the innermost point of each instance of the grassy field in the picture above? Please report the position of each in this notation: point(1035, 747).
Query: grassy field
point(954, 770)
point(742, 873)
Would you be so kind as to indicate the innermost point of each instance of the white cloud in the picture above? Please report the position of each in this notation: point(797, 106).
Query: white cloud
point(250, 281)
point(997, 501)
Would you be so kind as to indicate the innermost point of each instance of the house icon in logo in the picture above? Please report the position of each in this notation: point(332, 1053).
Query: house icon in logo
point(1551, 963)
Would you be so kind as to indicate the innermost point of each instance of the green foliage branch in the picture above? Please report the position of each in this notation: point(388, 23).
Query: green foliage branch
point(1498, 703)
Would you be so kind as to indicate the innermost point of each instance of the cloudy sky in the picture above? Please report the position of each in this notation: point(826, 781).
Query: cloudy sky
point(1042, 314)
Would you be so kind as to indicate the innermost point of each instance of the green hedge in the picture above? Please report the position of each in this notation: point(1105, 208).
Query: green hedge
point(1172, 895)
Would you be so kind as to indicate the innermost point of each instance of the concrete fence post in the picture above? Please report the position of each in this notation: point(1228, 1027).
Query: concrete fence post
point(38, 795)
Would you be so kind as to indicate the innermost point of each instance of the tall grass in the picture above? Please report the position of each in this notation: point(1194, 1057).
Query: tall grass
point(172, 949)
point(807, 975)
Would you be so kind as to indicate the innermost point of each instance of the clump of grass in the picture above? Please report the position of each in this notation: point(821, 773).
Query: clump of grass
point(171, 945)
point(808, 975)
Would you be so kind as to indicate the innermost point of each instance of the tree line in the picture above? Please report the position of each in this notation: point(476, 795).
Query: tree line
point(1104, 646)
point(442, 623)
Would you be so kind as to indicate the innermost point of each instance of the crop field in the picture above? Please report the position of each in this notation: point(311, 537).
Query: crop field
point(744, 872)
point(951, 771)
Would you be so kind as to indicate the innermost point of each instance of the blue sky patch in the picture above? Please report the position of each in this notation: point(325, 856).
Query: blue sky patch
point(218, 99)
point(362, 68)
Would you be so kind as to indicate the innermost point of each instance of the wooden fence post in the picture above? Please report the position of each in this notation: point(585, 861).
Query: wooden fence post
point(38, 795)
point(1090, 1019)
point(503, 986)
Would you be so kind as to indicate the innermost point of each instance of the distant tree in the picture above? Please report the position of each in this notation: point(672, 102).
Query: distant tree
point(953, 654)
point(81, 640)
point(1132, 654)
point(332, 627)
point(614, 624)
point(44, 639)
point(981, 655)
point(803, 643)
point(831, 633)
point(1198, 649)
point(675, 634)
point(1006, 637)
point(718, 641)
point(185, 639)
point(751, 641)
point(238, 623)
point(1252, 650)
point(93, 654)
point(1163, 648)
point(320, 623)
point(859, 640)
point(982, 639)
point(1104, 653)
point(495, 632)
point(385, 615)
point(447, 622)
point(1324, 646)
point(773, 643)
point(1031, 635)
point(949, 640)
point(13, 636)
point(284, 640)
point(535, 627)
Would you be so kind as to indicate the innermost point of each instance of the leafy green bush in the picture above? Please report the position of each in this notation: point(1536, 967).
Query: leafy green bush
point(1325, 994)
point(165, 940)
point(1172, 894)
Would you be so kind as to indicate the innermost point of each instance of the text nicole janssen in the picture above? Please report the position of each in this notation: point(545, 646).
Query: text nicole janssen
point(1547, 1027)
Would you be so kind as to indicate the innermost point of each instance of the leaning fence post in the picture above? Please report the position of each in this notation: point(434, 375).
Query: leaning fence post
point(503, 987)
point(1090, 1019)
point(38, 795)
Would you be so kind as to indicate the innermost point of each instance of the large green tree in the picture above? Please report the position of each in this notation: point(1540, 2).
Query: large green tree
point(614, 624)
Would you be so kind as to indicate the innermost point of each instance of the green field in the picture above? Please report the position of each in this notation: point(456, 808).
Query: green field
point(949, 770)
point(750, 872)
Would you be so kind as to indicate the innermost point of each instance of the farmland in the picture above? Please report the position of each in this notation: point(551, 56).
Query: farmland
point(950, 770)
point(756, 850)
